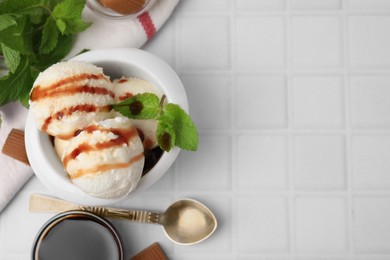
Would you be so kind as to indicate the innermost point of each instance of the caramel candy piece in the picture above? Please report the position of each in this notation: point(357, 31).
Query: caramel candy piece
point(14, 146)
point(124, 6)
point(152, 252)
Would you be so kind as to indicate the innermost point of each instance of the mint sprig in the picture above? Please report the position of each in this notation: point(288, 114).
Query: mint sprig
point(174, 126)
point(141, 106)
point(34, 34)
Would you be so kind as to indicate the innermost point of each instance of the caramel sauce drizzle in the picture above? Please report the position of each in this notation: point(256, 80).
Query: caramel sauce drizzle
point(107, 167)
point(59, 88)
point(125, 96)
point(123, 137)
point(122, 80)
point(148, 143)
point(88, 108)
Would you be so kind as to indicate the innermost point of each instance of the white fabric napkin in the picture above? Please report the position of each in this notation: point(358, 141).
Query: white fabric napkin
point(13, 174)
point(104, 33)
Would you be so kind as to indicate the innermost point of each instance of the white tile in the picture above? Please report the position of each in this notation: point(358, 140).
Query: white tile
point(321, 225)
point(34, 185)
point(316, 4)
point(262, 225)
point(19, 226)
point(268, 257)
point(162, 44)
point(261, 162)
point(204, 43)
point(165, 183)
point(369, 4)
point(260, 5)
point(203, 257)
point(209, 95)
point(371, 225)
point(201, 6)
point(209, 167)
point(316, 42)
point(2, 242)
point(370, 106)
point(261, 102)
point(371, 257)
point(18, 256)
point(322, 258)
point(260, 42)
point(318, 102)
point(369, 42)
point(371, 162)
point(319, 162)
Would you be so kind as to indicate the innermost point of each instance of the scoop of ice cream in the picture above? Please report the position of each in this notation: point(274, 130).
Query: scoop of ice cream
point(127, 87)
point(105, 159)
point(70, 95)
point(60, 146)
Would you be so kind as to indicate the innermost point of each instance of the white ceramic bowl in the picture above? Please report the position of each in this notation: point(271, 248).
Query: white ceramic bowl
point(115, 63)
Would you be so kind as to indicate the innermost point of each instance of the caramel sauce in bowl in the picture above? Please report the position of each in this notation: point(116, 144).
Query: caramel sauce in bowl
point(115, 63)
point(77, 235)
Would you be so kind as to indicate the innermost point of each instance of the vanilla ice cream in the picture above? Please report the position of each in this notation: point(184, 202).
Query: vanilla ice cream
point(105, 159)
point(60, 146)
point(70, 95)
point(127, 87)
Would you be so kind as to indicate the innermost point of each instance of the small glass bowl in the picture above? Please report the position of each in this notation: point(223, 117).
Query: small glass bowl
point(98, 8)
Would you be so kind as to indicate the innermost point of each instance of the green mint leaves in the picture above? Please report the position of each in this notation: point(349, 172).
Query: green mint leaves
point(34, 34)
point(174, 127)
point(141, 106)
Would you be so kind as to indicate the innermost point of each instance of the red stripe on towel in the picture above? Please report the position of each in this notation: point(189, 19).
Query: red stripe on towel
point(147, 24)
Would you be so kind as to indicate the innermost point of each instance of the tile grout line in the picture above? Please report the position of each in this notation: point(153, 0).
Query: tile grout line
point(348, 168)
point(298, 71)
point(233, 126)
point(290, 123)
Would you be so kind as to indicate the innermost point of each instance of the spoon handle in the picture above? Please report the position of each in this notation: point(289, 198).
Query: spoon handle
point(142, 216)
point(42, 203)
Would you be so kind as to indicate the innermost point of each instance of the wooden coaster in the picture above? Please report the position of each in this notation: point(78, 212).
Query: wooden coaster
point(152, 252)
point(14, 146)
point(124, 6)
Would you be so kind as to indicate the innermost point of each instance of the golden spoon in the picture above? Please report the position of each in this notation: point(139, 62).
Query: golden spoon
point(185, 222)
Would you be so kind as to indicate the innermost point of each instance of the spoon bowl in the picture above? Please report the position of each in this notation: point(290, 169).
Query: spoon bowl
point(188, 222)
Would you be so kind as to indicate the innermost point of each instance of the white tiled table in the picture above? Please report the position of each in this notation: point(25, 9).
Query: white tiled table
point(292, 100)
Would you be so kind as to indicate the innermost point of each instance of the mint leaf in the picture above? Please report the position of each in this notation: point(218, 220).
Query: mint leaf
point(19, 36)
point(174, 127)
point(141, 106)
point(6, 21)
point(60, 51)
point(34, 34)
point(185, 129)
point(73, 26)
point(166, 136)
point(14, 84)
point(49, 36)
point(68, 9)
point(12, 6)
point(24, 98)
point(61, 25)
point(67, 15)
point(11, 57)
